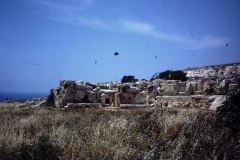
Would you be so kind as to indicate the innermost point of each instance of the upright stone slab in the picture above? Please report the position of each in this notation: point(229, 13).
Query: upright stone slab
point(140, 98)
point(200, 85)
point(189, 89)
point(117, 99)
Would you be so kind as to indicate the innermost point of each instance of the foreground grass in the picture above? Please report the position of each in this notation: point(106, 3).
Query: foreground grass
point(128, 134)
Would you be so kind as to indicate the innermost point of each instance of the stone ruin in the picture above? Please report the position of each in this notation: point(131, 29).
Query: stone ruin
point(203, 87)
point(156, 93)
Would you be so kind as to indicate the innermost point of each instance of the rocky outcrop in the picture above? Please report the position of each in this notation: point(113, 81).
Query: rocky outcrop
point(224, 71)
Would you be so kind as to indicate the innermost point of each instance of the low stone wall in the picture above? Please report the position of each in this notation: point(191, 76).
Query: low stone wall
point(126, 106)
point(182, 101)
point(83, 105)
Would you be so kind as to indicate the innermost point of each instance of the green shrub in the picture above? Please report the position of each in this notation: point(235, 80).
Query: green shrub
point(128, 79)
point(173, 75)
point(228, 114)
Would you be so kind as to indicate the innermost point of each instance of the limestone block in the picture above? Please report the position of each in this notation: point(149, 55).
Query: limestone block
point(169, 104)
point(200, 85)
point(189, 89)
point(58, 101)
point(206, 91)
point(91, 84)
point(103, 96)
point(127, 98)
point(67, 82)
point(212, 98)
point(117, 99)
point(108, 91)
point(156, 82)
point(79, 86)
point(79, 82)
point(126, 84)
point(92, 97)
point(70, 104)
point(89, 88)
point(217, 102)
point(194, 86)
point(80, 94)
point(224, 84)
point(69, 93)
point(134, 90)
point(150, 99)
point(140, 98)
point(111, 85)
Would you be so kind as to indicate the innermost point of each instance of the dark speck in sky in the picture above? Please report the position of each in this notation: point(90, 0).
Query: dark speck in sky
point(95, 62)
point(227, 45)
point(116, 54)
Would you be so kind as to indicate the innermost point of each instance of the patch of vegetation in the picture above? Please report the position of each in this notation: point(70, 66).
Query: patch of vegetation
point(173, 75)
point(128, 79)
point(228, 114)
point(169, 133)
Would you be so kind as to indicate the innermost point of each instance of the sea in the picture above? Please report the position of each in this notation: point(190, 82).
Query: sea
point(9, 96)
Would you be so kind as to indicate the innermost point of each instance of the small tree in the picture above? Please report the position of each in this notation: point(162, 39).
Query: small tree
point(173, 75)
point(127, 79)
point(228, 114)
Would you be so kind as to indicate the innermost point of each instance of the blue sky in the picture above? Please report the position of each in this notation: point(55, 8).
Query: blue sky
point(43, 41)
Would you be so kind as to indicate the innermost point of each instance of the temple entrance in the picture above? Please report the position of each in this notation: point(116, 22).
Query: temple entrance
point(107, 100)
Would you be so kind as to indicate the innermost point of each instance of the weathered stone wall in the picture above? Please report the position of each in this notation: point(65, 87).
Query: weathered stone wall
point(182, 101)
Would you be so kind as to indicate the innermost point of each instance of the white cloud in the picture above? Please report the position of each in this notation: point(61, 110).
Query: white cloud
point(190, 43)
point(72, 6)
point(207, 42)
point(138, 27)
point(74, 13)
point(149, 30)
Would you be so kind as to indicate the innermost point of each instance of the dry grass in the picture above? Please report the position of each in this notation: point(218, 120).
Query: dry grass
point(129, 134)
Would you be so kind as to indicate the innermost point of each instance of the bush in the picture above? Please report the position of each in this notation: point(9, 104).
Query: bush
point(228, 114)
point(127, 79)
point(173, 75)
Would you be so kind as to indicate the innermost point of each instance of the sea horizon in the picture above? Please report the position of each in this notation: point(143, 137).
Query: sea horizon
point(9, 96)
